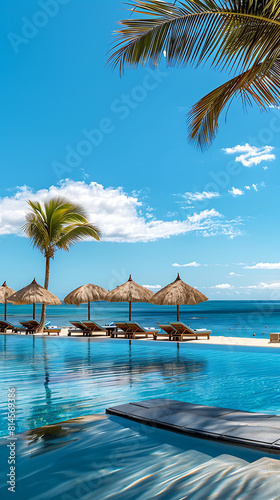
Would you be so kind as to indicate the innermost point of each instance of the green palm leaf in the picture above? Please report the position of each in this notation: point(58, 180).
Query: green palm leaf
point(57, 224)
point(50, 225)
point(75, 233)
point(231, 35)
point(250, 86)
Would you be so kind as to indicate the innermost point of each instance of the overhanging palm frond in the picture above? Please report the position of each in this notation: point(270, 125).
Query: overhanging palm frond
point(193, 31)
point(165, 27)
point(251, 86)
point(239, 36)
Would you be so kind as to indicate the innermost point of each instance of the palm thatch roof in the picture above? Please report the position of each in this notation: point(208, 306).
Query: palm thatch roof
point(85, 294)
point(5, 292)
point(178, 293)
point(129, 292)
point(34, 294)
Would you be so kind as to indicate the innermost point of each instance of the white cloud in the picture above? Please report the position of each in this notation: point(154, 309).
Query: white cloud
point(251, 155)
point(224, 286)
point(202, 215)
point(235, 191)
point(116, 213)
point(205, 195)
point(234, 274)
point(264, 286)
point(152, 287)
point(265, 168)
point(190, 264)
point(265, 265)
point(238, 192)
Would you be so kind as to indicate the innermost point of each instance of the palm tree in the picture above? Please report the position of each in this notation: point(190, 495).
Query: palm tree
point(57, 224)
point(241, 37)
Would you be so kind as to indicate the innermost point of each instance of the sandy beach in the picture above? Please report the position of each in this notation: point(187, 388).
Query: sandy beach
point(217, 340)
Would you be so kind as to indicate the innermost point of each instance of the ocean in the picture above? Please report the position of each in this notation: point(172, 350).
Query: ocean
point(232, 318)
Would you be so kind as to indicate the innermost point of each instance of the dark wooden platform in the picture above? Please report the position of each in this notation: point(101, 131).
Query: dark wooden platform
point(254, 430)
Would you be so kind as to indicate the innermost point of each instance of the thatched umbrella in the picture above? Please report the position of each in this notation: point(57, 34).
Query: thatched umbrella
point(34, 294)
point(85, 295)
point(177, 294)
point(5, 292)
point(129, 292)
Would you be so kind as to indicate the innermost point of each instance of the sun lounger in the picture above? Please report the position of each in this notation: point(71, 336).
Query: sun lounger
point(24, 323)
point(6, 325)
point(135, 330)
point(50, 330)
point(121, 329)
point(86, 327)
point(94, 327)
point(186, 331)
point(79, 328)
point(31, 326)
point(168, 330)
point(33, 323)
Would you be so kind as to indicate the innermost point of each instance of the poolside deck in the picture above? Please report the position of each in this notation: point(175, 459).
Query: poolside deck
point(253, 430)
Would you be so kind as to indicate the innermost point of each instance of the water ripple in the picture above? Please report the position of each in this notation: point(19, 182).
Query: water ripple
point(112, 459)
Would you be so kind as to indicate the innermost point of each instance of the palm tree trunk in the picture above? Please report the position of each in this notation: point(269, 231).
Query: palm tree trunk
point(46, 285)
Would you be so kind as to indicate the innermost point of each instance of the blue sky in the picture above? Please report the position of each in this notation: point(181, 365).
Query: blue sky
point(158, 200)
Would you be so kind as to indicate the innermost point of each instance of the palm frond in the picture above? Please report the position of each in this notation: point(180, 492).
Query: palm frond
point(57, 224)
point(237, 36)
point(60, 211)
point(35, 227)
point(251, 86)
point(77, 232)
point(194, 31)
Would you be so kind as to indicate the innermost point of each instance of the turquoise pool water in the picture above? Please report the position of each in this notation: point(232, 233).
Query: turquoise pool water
point(115, 459)
point(61, 378)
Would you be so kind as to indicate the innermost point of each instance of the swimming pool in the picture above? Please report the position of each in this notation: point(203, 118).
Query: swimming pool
point(115, 459)
point(61, 378)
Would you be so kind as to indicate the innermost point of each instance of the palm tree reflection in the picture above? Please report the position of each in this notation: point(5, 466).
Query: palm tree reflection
point(47, 376)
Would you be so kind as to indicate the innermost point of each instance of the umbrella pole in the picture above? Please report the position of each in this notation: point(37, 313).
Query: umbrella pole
point(5, 313)
point(89, 311)
point(129, 311)
point(34, 311)
point(177, 313)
